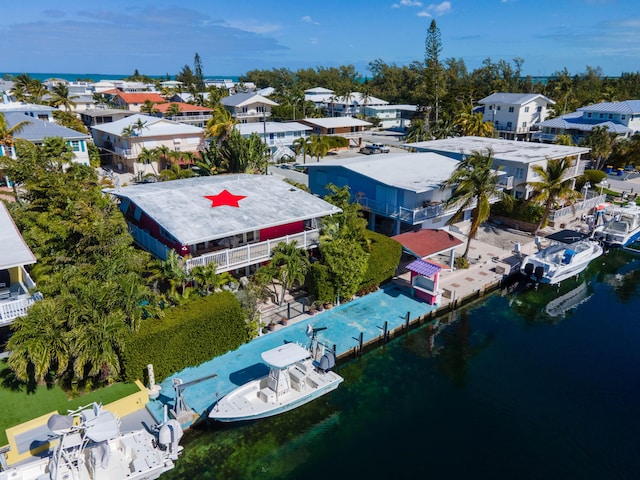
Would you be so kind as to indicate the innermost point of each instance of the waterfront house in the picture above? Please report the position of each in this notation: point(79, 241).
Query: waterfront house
point(124, 140)
point(33, 110)
point(621, 119)
point(38, 130)
point(515, 115)
point(278, 136)
point(15, 283)
point(398, 192)
point(98, 116)
point(391, 117)
point(248, 107)
point(233, 221)
point(516, 159)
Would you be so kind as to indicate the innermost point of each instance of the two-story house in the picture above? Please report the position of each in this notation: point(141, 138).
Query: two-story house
point(516, 159)
point(15, 283)
point(37, 130)
point(398, 192)
point(132, 101)
point(515, 115)
point(33, 110)
point(125, 139)
point(184, 113)
point(278, 136)
point(391, 117)
point(620, 118)
point(348, 127)
point(232, 221)
point(248, 107)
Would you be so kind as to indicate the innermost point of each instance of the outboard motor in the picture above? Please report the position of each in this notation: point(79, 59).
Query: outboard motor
point(528, 269)
point(539, 272)
point(169, 436)
point(327, 361)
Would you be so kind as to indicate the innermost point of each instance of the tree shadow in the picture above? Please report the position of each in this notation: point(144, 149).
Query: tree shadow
point(10, 381)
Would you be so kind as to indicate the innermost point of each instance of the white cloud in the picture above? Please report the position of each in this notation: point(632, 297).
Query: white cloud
point(306, 18)
point(253, 26)
point(407, 3)
point(436, 10)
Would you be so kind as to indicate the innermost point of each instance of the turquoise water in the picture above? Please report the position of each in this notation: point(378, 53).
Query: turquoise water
point(499, 390)
point(344, 325)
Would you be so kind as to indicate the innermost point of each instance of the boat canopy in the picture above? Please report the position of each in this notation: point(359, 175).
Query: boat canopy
point(285, 355)
point(567, 236)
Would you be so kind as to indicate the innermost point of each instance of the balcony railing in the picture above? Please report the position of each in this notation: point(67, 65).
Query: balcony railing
point(232, 258)
point(18, 299)
point(578, 209)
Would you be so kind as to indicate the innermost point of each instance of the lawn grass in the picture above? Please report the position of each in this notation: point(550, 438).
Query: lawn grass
point(17, 405)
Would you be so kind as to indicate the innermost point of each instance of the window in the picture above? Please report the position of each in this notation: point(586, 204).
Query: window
point(75, 145)
point(589, 115)
point(526, 109)
point(519, 172)
point(261, 109)
point(601, 115)
point(524, 124)
point(498, 108)
point(539, 109)
point(510, 109)
point(610, 116)
point(622, 117)
point(509, 125)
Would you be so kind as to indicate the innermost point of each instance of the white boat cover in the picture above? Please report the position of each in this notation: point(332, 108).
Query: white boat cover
point(285, 355)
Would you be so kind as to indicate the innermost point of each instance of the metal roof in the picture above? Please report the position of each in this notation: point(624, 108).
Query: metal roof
point(242, 99)
point(575, 121)
point(181, 208)
point(14, 251)
point(416, 172)
point(514, 98)
point(270, 127)
point(506, 150)
point(37, 130)
point(154, 126)
point(424, 268)
point(336, 122)
point(627, 106)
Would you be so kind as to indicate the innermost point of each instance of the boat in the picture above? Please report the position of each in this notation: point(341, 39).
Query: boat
point(621, 229)
point(559, 306)
point(297, 375)
point(568, 254)
point(90, 446)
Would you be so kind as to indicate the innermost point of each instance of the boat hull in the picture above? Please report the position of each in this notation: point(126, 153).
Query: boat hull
point(552, 265)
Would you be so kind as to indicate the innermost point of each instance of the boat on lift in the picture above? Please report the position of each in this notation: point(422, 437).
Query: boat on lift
point(90, 446)
point(297, 375)
point(568, 254)
point(622, 227)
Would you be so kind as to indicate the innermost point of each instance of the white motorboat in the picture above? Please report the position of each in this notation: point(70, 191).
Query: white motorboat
point(622, 227)
point(297, 375)
point(567, 255)
point(90, 446)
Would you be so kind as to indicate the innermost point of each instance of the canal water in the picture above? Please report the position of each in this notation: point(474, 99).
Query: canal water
point(530, 384)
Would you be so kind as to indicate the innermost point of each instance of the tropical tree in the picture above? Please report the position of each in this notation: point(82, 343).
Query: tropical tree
point(7, 132)
point(318, 146)
point(173, 110)
point(553, 186)
point(149, 107)
point(302, 145)
point(417, 131)
point(473, 124)
point(474, 184)
point(289, 265)
point(60, 97)
point(434, 70)
point(600, 141)
point(221, 124)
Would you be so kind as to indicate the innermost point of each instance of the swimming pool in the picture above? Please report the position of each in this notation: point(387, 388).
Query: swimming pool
point(344, 323)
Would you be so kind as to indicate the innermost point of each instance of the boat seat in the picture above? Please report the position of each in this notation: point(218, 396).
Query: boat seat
point(267, 395)
point(298, 379)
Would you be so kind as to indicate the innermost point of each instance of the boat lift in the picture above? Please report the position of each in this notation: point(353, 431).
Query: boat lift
point(181, 411)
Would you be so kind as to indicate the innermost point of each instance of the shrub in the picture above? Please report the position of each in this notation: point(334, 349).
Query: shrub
point(320, 285)
point(384, 257)
point(186, 336)
point(461, 263)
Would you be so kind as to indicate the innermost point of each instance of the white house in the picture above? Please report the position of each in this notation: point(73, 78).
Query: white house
point(620, 118)
point(278, 136)
point(125, 139)
point(515, 158)
point(391, 117)
point(33, 110)
point(515, 115)
point(248, 107)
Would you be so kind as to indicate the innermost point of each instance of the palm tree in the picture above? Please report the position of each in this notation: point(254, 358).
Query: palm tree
point(474, 183)
point(289, 265)
point(149, 107)
point(318, 146)
point(139, 124)
point(302, 145)
point(221, 124)
point(473, 124)
point(552, 187)
point(173, 110)
point(60, 97)
point(7, 133)
point(417, 131)
point(600, 141)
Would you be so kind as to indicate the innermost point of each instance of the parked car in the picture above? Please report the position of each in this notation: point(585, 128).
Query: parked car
point(383, 148)
point(370, 149)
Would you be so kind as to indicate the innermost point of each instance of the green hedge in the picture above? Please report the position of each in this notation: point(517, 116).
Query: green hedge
point(384, 257)
point(319, 284)
point(186, 336)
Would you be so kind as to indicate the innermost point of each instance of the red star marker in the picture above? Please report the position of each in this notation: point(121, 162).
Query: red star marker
point(225, 198)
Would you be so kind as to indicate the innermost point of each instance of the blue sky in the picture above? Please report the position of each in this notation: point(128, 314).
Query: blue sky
point(235, 36)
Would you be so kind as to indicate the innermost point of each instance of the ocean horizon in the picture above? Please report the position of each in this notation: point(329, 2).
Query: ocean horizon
point(72, 77)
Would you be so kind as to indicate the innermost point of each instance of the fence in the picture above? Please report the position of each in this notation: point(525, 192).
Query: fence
point(285, 312)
